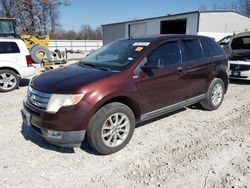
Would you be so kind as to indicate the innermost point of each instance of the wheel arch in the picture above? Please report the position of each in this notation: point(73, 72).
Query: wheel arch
point(132, 104)
point(12, 69)
point(225, 79)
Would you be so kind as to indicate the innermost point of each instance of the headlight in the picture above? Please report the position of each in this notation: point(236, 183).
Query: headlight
point(31, 80)
point(58, 100)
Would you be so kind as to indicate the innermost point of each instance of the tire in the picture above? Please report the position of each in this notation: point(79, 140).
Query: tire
point(9, 80)
point(215, 95)
point(39, 52)
point(32, 46)
point(101, 133)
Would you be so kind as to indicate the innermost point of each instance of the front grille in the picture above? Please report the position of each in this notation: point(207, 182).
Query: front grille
point(238, 67)
point(38, 130)
point(38, 98)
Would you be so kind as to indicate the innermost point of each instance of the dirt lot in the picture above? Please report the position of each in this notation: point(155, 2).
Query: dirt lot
point(189, 148)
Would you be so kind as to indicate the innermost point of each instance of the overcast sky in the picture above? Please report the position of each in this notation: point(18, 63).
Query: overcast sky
point(98, 12)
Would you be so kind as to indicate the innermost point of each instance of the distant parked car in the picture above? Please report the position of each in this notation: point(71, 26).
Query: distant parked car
point(15, 63)
point(123, 83)
point(70, 51)
point(238, 50)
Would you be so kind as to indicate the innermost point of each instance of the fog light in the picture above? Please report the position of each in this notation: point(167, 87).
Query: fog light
point(54, 134)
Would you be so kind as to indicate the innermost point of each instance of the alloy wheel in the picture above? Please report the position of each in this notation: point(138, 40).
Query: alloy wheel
point(217, 94)
point(7, 81)
point(115, 130)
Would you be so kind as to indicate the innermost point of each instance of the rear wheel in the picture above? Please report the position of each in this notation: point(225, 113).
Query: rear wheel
point(9, 80)
point(111, 128)
point(215, 95)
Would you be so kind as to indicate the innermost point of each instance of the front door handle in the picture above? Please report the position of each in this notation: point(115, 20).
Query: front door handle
point(180, 70)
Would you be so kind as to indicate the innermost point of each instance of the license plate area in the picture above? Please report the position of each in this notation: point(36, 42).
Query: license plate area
point(236, 73)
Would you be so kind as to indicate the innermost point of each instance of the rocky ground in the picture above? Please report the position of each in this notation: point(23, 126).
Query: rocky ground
point(188, 148)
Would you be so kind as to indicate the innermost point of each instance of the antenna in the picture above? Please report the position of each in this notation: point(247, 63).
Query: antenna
point(136, 28)
point(132, 36)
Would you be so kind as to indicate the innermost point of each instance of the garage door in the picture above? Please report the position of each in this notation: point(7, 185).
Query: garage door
point(139, 29)
point(174, 26)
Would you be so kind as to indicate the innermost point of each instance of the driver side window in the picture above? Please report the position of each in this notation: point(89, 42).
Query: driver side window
point(165, 55)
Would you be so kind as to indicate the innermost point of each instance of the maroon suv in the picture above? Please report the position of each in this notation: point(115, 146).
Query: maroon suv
point(125, 82)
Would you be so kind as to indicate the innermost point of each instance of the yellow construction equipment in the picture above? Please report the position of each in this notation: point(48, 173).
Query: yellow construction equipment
point(32, 40)
point(38, 46)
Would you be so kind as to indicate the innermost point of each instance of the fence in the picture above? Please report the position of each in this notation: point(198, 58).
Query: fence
point(75, 45)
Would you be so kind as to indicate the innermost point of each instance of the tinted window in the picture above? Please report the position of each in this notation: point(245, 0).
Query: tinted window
point(210, 45)
point(192, 49)
point(8, 47)
point(206, 51)
point(165, 55)
point(241, 43)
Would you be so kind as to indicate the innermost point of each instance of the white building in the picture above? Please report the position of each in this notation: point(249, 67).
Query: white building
point(75, 45)
point(216, 24)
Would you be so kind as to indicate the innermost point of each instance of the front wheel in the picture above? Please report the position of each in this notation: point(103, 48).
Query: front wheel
point(111, 128)
point(215, 95)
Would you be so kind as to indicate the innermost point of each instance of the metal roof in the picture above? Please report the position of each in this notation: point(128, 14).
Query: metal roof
point(178, 14)
point(2, 18)
point(164, 36)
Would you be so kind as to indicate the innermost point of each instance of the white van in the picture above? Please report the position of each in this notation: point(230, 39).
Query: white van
point(15, 63)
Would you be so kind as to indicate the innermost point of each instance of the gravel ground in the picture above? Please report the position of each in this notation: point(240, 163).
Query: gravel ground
point(189, 148)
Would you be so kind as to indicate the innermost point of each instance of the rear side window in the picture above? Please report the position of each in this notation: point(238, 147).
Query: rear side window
point(211, 46)
point(193, 50)
point(8, 48)
point(167, 54)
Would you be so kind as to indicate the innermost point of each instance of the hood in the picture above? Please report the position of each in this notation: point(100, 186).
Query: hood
point(240, 55)
point(68, 79)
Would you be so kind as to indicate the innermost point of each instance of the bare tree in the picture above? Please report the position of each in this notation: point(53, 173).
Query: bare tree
point(36, 17)
point(7, 8)
point(98, 33)
point(244, 6)
point(87, 32)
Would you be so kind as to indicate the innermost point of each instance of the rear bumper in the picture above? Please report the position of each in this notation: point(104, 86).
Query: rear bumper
point(27, 72)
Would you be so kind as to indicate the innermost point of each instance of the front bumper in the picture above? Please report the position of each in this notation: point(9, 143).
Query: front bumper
point(65, 128)
point(240, 75)
point(239, 70)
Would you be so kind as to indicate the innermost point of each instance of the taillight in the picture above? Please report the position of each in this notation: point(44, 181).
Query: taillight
point(28, 60)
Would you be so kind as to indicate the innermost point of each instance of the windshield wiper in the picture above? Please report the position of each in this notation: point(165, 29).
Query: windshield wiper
point(88, 64)
point(95, 66)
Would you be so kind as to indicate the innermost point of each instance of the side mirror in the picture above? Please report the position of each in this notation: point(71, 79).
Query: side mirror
point(226, 48)
point(151, 64)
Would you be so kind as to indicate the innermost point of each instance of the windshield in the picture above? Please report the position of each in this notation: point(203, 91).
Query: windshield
point(6, 27)
point(117, 55)
point(225, 40)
